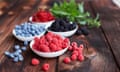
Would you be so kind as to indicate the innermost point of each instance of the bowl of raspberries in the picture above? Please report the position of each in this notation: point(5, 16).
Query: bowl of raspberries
point(42, 17)
point(49, 45)
point(27, 31)
point(63, 27)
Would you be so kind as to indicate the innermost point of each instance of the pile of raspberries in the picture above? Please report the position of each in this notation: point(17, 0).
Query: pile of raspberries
point(77, 53)
point(50, 43)
point(42, 16)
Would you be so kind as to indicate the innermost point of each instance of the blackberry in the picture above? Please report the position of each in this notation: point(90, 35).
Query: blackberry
point(79, 32)
point(85, 31)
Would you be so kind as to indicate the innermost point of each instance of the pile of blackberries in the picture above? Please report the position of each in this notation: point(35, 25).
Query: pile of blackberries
point(82, 30)
point(61, 25)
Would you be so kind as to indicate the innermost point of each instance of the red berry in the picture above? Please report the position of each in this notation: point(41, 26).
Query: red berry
point(64, 45)
point(44, 48)
point(81, 46)
point(70, 48)
point(73, 57)
point(53, 47)
point(80, 57)
point(35, 61)
point(75, 53)
point(45, 67)
point(74, 44)
point(66, 40)
point(74, 47)
point(67, 60)
point(55, 41)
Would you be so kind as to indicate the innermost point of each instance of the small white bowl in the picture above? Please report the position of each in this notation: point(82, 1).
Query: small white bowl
point(48, 54)
point(48, 24)
point(26, 38)
point(67, 33)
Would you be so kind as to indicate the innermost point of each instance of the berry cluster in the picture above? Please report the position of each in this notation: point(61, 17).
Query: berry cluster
point(82, 30)
point(42, 16)
point(29, 30)
point(50, 43)
point(45, 66)
point(76, 53)
point(61, 25)
point(17, 54)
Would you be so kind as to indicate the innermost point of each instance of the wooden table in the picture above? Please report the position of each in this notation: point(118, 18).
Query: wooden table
point(105, 41)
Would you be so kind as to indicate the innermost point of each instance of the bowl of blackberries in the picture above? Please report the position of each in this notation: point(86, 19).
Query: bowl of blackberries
point(63, 27)
point(27, 31)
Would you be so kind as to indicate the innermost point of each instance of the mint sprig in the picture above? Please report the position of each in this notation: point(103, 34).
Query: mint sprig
point(74, 12)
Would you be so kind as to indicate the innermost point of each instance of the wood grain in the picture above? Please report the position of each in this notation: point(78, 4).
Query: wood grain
point(101, 46)
point(110, 19)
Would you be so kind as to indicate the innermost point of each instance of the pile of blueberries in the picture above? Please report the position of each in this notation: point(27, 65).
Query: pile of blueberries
point(61, 25)
point(28, 30)
point(17, 54)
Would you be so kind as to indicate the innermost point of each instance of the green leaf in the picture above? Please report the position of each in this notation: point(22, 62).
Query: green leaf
point(81, 7)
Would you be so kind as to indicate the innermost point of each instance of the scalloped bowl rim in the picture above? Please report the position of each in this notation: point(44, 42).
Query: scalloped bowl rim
point(71, 32)
point(26, 38)
point(30, 19)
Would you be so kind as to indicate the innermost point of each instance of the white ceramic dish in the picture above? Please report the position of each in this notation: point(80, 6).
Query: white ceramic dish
point(47, 54)
point(67, 33)
point(26, 38)
point(48, 24)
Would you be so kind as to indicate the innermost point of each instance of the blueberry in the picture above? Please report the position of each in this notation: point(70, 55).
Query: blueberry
point(16, 59)
point(16, 53)
point(16, 47)
point(17, 27)
point(21, 58)
point(7, 53)
point(19, 51)
point(11, 55)
point(25, 43)
point(24, 48)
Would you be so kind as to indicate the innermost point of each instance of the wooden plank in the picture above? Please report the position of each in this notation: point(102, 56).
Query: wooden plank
point(99, 63)
point(6, 6)
point(6, 64)
point(110, 19)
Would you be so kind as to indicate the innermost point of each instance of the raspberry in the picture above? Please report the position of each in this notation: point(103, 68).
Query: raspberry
point(45, 67)
point(64, 45)
point(50, 34)
point(73, 57)
point(81, 46)
point(70, 48)
point(73, 44)
point(35, 61)
point(74, 47)
point(80, 57)
point(44, 48)
point(55, 41)
point(49, 38)
point(53, 47)
point(67, 60)
point(75, 53)
point(66, 40)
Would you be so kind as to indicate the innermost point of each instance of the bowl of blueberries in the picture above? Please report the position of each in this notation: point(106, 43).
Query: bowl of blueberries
point(63, 28)
point(27, 31)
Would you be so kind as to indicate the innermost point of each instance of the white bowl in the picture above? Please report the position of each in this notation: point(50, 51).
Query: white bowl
point(26, 38)
point(48, 54)
point(67, 33)
point(48, 24)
